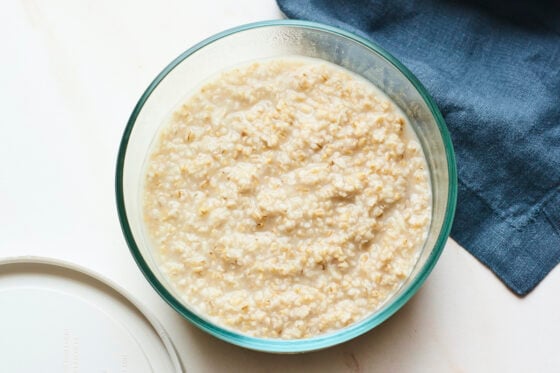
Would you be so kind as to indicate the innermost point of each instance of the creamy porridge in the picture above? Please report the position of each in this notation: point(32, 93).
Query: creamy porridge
point(286, 198)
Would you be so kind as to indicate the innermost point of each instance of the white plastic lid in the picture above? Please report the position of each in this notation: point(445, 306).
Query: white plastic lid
point(57, 317)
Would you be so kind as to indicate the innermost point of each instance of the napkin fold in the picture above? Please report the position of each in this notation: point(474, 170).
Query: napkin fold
point(493, 68)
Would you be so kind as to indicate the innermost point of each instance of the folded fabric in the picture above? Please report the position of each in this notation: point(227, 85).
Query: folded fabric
point(494, 70)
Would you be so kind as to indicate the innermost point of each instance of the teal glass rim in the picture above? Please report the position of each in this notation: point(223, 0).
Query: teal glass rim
point(321, 341)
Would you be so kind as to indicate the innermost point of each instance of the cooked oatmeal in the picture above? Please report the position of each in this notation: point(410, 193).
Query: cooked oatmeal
point(286, 198)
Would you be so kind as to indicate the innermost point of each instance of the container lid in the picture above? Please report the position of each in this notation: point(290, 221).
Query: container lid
point(58, 317)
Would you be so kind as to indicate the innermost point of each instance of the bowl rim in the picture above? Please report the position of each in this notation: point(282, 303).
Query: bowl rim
point(325, 340)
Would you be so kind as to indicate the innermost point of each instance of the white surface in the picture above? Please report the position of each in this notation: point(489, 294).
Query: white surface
point(57, 317)
point(72, 70)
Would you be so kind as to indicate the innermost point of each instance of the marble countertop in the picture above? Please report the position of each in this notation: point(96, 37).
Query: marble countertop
point(72, 70)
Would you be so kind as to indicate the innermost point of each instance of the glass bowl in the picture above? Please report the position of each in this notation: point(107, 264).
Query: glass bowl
point(275, 39)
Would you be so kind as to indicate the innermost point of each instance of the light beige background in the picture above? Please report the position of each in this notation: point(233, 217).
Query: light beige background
point(71, 73)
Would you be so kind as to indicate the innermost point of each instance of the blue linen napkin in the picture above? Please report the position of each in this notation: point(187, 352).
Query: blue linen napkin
point(493, 68)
